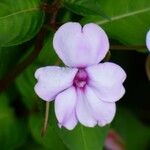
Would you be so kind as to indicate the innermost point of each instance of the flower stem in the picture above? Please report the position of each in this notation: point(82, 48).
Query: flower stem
point(43, 131)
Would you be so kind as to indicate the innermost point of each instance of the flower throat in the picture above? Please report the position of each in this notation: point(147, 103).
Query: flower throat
point(81, 79)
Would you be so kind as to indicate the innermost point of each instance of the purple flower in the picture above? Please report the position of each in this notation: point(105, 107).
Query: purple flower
point(148, 40)
point(85, 91)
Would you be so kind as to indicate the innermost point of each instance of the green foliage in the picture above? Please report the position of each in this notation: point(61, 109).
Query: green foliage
point(50, 140)
point(83, 138)
point(48, 56)
point(85, 7)
point(19, 21)
point(133, 132)
point(5, 62)
point(25, 84)
point(12, 133)
point(128, 20)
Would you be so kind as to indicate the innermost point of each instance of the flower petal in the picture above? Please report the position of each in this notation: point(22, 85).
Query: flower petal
point(83, 111)
point(80, 47)
point(106, 79)
point(52, 80)
point(71, 122)
point(148, 40)
point(65, 108)
point(103, 112)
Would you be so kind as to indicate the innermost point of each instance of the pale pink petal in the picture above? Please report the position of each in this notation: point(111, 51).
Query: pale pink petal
point(83, 111)
point(109, 94)
point(71, 122)
point(107, 79)
point(65, 104)
point(148, 40)
point(103, 112)
point(52, 80)
point(80, 47)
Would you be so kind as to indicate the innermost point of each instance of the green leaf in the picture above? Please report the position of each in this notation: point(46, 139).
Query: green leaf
point(85, 7)
point(50, 140)
point(83, 138)
point(48, 55)
point(25, 84)
point(12, 133)
point(129, 20)
point(19, 21)
point(135, 135)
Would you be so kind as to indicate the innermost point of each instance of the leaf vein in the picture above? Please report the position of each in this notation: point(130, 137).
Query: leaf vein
point(123, 16)
point(20, 12)
point(84, 141)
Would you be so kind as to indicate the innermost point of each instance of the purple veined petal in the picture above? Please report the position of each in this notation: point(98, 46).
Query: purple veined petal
point(103, 112)
point(106, 80)
point(79, 46)
point(65, 104)
point(148, 40)
point(52, 80)
point(83, 112)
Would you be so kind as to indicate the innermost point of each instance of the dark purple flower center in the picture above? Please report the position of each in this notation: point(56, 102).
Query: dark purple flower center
point(81, 79)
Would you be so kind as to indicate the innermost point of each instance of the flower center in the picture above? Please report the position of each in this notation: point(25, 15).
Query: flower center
point(80, 79)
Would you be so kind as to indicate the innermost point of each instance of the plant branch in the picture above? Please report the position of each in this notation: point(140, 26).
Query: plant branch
point(5, 82)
